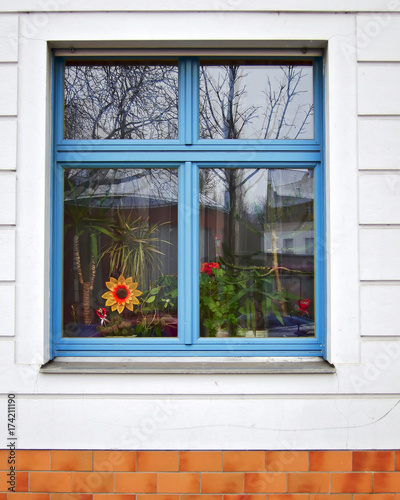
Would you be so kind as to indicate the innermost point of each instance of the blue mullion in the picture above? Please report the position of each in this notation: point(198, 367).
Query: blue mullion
point(190, 350)
point(225, 346)
point(197, 353)
point(318, 101)
point(320, 257)
point(57, 261)
point(188, 253)
point(240, 156)
point(58, 100)
point(187, 85)
point(173, 145)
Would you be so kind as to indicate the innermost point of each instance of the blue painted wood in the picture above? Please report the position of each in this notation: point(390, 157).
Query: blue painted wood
point(188, 154)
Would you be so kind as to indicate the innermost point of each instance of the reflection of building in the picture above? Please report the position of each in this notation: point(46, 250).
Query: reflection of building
point(266, 221)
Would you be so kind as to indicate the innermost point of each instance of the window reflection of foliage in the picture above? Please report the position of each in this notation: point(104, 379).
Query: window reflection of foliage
point(121, 102)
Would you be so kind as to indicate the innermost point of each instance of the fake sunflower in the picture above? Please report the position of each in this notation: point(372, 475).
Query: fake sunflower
point(122, 294)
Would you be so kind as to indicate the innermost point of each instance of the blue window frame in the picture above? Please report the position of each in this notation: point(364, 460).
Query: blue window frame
point(188, 157)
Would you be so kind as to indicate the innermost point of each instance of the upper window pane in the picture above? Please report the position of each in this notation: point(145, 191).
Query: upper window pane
point(121, 100)
point(239, 100)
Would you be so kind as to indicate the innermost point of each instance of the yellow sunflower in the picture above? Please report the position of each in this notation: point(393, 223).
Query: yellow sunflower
point(122, 293)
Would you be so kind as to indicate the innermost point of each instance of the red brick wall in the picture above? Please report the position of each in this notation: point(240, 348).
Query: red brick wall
point(202, 475)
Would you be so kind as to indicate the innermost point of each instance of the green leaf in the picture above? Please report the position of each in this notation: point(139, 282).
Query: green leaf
point(154, 291)
point(139, 328)
point(277, 313)
point(150, 299)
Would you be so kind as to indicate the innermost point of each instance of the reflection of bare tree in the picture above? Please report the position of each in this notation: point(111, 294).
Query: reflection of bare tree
point(220, 104)
point(121, 102)
point(281, 111)
point(279, 101)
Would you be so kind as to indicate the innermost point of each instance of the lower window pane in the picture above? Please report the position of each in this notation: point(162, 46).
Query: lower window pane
point(120, 253)
point(256, 252)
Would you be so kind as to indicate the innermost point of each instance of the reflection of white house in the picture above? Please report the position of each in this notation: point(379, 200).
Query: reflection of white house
point(291, 238)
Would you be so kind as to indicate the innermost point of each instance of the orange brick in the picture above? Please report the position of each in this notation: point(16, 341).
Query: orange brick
point(158, 497)
point(387, 482)
point(290, 497)
point(21, 480)
point(139, 482)
point(201, 497)
point(228, 482)
point(121, 461)
point(181, 482)
point(28, 496)
point(71, 460)
point(52, 482)
point(157, 461)
point(291, 460)
point(336, 497)
point(71, 496)
point(397, 460)
point(379, 496)
point(3, 496)
point(245, 497)
point(330, 461)
point(308, 482)
point(352, 482)
point(373, 460)
point(114, 497)
point(265, 482)
point(33, 460)
point(244, 461)
point(92, 482)
point(200, 461)
point(4, 459)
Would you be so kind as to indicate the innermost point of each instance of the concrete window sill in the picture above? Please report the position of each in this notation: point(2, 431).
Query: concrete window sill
point(241, 365)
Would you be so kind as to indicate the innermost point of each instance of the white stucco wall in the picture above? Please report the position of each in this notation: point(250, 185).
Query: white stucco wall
point(358, 407)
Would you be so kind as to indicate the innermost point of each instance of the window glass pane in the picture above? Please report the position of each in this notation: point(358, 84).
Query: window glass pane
point(120, 253)
point(256, 252)
point(246, 101)
point(121, 101)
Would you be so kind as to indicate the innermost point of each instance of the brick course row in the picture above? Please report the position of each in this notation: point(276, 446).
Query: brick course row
point(205, 475)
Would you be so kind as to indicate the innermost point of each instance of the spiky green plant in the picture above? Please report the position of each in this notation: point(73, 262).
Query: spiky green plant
point(133, 248)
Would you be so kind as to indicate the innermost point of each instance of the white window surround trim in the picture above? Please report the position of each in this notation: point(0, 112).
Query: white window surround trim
point(33, 189)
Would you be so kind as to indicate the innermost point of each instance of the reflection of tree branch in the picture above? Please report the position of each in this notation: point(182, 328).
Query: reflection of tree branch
point(121, 102)
point(304, 123)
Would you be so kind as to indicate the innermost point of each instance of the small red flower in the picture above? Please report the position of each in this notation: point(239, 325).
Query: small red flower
point(207, 267)
point(101, 312)
point(304, 304)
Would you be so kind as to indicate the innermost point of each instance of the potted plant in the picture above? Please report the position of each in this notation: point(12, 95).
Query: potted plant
point(237, 298)
point(133, 246)
point(217, 304)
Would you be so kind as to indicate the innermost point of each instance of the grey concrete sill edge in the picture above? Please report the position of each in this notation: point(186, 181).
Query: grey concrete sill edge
point(242, 366)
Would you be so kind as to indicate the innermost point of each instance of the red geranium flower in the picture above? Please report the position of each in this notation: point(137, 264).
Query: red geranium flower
point(207, 267)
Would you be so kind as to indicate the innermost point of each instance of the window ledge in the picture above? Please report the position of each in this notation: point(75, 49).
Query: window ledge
point(196, 366)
